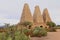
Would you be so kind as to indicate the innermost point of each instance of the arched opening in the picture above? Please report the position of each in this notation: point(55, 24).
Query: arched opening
point(29, 27)
point(46, 27)
point(41, 26)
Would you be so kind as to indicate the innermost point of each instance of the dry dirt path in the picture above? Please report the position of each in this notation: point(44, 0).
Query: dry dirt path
point(50, 36)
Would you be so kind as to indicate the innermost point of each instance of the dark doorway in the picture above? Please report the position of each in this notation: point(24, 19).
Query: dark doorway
point(41, 26)
point(29, 27)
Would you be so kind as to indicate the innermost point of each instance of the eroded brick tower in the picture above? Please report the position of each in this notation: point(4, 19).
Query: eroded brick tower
point(26, 14)
point(37, 18)
point(46, 16)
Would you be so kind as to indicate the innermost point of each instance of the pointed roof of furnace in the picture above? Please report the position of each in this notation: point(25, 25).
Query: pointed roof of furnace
point(46, 16)
point(37, 17)
point(26, 14)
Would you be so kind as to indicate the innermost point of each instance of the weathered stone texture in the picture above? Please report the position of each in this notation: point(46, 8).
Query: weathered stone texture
point(37, 17)
point(26, 14)
point(46, 16)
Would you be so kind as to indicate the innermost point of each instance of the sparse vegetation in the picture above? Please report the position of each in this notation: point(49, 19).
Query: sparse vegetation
point(57, 27)
point(38, 32)
point(51, 26)
point(11, 33)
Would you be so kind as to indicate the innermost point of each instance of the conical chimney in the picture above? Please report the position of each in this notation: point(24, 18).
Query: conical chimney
point(37, 17)
point(46, 16)
point(26, 14)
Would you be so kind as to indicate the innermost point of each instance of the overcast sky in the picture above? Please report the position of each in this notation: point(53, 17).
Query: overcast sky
point(11, 10)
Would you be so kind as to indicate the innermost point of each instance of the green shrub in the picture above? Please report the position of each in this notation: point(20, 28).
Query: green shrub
point(17, 35)
point(9, 38)
point(12, 34)
point(52, 26)
point(20, 36)
point(5, 36)
point(27, 31)
point(1, 36)
point(24, 37)
point(43, 32)
point(38, 32)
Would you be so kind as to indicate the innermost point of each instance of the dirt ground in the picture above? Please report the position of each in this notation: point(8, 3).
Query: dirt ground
point(50, 36)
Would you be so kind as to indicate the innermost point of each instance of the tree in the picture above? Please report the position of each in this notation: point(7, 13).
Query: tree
point(51, 24)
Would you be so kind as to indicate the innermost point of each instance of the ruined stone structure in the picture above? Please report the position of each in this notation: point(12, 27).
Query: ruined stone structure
point(26, 14)
point(46, 16)
point(37, 19)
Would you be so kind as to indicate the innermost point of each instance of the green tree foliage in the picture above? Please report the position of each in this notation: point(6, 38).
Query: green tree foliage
point(51, 24)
